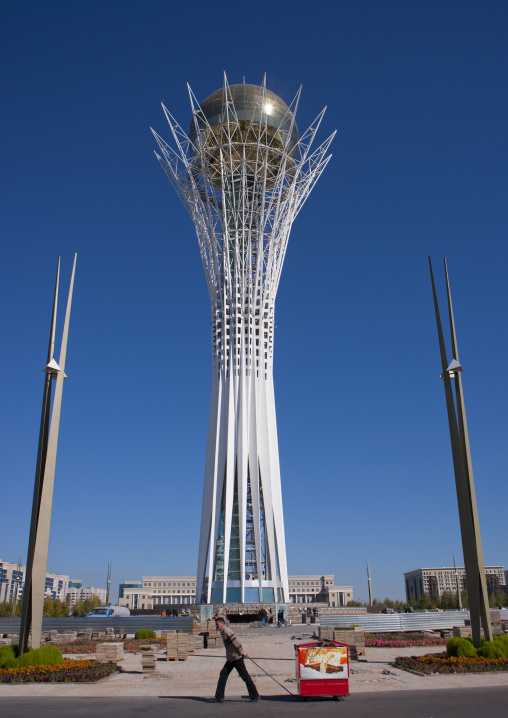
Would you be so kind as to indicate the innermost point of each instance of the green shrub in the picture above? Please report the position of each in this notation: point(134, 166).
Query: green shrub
point(7, 655)
point(460, 647)
point(145, 633)
point(491, 649)
point(43, 656)
point(9, 663)
point(503, 642)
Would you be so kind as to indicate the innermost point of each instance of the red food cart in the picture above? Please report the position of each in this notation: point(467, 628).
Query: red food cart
point(322, 669)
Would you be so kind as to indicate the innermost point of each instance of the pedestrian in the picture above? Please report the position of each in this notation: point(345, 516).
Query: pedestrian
point(234, 659)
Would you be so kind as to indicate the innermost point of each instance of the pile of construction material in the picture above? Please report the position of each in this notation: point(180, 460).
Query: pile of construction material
point(109, 651)
point(208, 632)
point(495, 620)
point(199, 642)
point(148, 658)
point(353, 636)
point(177, 645)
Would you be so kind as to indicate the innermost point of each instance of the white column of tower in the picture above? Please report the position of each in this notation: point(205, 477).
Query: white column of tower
point(243, 174)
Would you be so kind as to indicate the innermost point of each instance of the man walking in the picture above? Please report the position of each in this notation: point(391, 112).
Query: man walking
point(234, 659)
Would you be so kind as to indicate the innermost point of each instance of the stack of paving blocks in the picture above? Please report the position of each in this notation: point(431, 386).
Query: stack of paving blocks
point(68, 637)
point(214, 638)
point(199, 643)
point(171, 645)
point(182, 640)
point(177, 646)
point(495, 622)
point(190, 642)
point(462, 631)
point(109, 651)
point(110, 634)
point(354, 637)
point(148, 658)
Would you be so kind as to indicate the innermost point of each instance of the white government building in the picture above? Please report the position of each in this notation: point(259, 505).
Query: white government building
point(172, 590)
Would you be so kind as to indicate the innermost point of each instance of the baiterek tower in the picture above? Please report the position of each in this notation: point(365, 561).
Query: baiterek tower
point(243, 173)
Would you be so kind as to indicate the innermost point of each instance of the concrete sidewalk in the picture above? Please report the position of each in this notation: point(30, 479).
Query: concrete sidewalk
point(197, 677)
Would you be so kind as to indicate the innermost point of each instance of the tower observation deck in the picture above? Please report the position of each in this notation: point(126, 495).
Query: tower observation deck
point(243, 172)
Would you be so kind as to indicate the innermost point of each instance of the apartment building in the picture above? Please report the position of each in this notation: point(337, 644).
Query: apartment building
point(82, 594)
point(12, 582)
point(434, 581)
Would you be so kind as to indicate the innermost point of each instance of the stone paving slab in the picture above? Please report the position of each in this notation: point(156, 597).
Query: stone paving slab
point(197, 677)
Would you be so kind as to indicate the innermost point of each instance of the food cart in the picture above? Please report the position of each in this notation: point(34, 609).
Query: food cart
point(322, 669)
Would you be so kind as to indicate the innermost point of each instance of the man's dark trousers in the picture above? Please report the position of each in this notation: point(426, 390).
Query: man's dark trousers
point(242, 672)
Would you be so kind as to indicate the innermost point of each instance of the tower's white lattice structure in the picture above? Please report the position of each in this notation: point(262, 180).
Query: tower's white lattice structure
point(243, 173)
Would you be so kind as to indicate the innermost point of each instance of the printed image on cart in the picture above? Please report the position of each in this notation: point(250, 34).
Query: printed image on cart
point(320, 662)
point(322, 669)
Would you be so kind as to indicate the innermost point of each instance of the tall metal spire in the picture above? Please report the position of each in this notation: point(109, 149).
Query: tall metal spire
point(37, 558)
point(464, 482)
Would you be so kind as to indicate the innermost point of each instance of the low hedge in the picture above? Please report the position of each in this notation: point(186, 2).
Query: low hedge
point(43, 656)
point(464, 647)
point(145, 633)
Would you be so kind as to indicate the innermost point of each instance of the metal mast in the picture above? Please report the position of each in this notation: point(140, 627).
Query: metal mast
point(243, 174)
point(464, 482)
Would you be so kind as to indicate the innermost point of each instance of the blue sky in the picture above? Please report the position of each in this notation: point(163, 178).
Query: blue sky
point(417, 92)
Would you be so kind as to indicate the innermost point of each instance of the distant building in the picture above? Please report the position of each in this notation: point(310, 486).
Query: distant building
point(159, 590)
point(128, 584)
point(75, 583)
point(435, 581)
point(82, 594)
point(318, 589)
point(12, 581)
point(171, 590)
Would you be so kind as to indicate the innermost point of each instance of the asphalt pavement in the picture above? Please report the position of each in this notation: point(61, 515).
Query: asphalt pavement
point(446, 703)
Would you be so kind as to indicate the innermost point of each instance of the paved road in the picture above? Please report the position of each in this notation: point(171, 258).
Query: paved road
point(453, 703)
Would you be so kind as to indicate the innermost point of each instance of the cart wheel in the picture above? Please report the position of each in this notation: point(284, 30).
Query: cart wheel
point(335, 698)
point(306, 698)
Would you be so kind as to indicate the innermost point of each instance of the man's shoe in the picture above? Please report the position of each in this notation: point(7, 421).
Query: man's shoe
point(255, 700)
point(216, 700)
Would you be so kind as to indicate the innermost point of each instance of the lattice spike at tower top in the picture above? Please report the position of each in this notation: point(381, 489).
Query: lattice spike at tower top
point(243, 173)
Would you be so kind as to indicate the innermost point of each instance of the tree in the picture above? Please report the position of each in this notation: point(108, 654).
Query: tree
point(449, 601)
point(6, 609)
point(424, 603)
point(498, 598)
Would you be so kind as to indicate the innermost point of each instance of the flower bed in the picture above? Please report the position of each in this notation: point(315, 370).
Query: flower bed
point(81, 670)
point(82, 645)
point(441, 663)
point(399, 640)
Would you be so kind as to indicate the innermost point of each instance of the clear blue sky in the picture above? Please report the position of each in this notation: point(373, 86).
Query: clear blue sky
point(417, 91)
